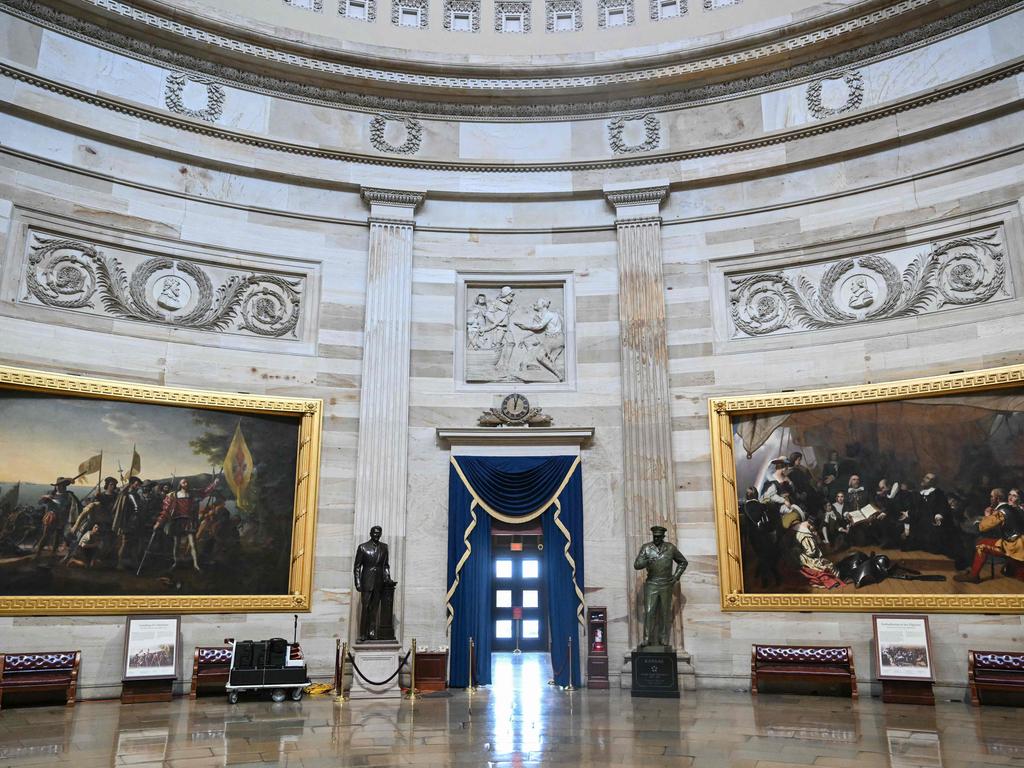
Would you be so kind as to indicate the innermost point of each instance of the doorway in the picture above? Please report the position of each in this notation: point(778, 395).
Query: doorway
point(518, 588)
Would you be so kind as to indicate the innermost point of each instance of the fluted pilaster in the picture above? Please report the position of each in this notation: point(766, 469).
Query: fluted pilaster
point(382, 461)
point(649, 477)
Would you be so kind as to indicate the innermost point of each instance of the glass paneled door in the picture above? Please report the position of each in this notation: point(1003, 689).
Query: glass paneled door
point(520, 604)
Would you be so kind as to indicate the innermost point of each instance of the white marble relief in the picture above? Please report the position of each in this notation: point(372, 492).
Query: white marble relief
point(914, 280)
point(515, 333)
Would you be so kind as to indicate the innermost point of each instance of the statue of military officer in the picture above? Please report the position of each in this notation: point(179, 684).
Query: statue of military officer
point(658, 557)
point(372, 573)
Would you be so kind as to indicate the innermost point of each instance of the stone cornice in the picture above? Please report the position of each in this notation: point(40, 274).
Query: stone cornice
point(573, 94)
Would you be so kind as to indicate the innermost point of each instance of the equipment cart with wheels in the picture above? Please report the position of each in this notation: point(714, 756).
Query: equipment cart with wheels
point(267, 665)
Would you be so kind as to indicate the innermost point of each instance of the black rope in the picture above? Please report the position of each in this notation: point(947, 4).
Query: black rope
point(391, 677)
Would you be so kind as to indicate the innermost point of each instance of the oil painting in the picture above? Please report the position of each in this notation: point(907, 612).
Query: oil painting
point(185, 505)
point(902, 495)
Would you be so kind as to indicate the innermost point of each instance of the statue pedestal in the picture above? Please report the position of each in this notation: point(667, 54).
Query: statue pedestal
point(378, 661)
point(658, 672)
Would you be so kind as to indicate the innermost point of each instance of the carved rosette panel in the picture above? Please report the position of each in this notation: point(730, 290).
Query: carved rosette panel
point(652, 135)
point(174, 97)
point(918, 280)
point(73, 274)
point(852, 82)
point(413, 135)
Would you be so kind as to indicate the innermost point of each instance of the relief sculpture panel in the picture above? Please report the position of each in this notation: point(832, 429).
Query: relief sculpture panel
point(515, 333)
point(72, 273)
point(912, 280)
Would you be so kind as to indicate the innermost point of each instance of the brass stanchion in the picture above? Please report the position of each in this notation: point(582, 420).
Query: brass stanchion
point(568, 660)
point(341, 698)
point(412, 694)
point(472, 680)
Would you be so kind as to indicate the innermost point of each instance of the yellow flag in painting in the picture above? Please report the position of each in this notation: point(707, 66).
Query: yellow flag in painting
point(238, 467)
point(90, 465)
point(136, 467)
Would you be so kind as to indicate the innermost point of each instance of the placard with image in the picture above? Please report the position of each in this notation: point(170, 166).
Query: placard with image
point(903, 648)
point(151, 647)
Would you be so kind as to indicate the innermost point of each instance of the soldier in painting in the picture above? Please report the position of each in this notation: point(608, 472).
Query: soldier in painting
point(126, 522)
point(60, 505)
point(1007, 523)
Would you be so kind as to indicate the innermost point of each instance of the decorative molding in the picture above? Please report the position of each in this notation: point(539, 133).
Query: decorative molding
point(392, 197)
point(554, 7)
point(371, 10)
point(74, 274)
point(655, 6)
point(421, 6)
point(604, 6)
point(714, 5)
point(637, 196)
point(317, 6)
point(174, 96)
point(523, 9)
point(652, 135)
point(471, 7)
point(854, 83)
point(258, 80)
point(903, 282)
point(812, 129)
point(413, 134)
point(579, 436)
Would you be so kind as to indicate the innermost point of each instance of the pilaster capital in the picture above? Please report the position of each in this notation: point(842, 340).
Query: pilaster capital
point(392, 205)
point(637, 200)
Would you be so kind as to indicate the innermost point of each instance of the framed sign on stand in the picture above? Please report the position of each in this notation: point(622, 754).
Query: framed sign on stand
point(597, 647)
point(903, 652)
point(152, 647)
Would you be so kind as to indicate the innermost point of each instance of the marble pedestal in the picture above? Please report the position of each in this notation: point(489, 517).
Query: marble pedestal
point(685, 675)
point(378, 662)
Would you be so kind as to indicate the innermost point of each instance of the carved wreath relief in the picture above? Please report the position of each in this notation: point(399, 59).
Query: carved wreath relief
point(956, 272)
point(72, 274)
point(515, 334)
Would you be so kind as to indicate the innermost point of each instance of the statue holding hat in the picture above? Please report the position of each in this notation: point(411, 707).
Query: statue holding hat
point(665, 566)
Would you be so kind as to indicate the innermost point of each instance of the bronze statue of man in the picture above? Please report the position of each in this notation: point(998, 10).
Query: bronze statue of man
point(371, 572)
point(658, 557)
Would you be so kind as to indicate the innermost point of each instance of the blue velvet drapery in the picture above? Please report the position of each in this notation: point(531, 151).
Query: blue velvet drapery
point(513, 489)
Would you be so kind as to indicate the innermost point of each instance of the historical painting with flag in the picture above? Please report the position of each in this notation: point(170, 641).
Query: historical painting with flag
point(209, 513)
point(238, 467)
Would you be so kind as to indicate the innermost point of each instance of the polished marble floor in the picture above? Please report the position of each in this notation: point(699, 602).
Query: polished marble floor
point(519, 721)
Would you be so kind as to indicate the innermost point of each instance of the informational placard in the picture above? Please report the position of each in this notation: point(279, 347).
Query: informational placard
point(903, 647)
point(151, 646)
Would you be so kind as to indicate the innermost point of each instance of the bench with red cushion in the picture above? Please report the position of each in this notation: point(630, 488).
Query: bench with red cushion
point(811, 668)
point(40, 672)
point(996, 677)
point(210, 668)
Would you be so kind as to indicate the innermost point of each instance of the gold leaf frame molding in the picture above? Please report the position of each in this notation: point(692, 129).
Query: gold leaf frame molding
point(721, 412)
point(308, 414)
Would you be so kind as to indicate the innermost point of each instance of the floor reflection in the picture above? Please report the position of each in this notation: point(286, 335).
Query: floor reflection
point(518, 721)
point(518, 688)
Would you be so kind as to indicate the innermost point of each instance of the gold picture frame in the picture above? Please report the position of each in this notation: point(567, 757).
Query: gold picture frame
point(307, 415)
point(723, 411)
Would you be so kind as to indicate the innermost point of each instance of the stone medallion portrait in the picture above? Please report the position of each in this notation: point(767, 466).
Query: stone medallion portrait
point(514, 333)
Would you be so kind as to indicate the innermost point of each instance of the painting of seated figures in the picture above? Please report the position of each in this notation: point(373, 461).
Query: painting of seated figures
point(913, 495)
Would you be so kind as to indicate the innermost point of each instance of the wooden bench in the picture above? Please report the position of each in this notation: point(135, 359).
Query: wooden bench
point(40, 672)
point(210, 668)
point(809, 668)
point(998, 675)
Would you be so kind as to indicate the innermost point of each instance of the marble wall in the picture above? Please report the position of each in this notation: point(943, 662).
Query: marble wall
point(91, 146)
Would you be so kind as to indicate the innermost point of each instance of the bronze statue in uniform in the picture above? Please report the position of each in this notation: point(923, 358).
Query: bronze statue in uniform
point(658, 557)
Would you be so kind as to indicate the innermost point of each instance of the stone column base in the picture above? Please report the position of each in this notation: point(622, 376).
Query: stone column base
point(377, 661)
point(684, 671)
